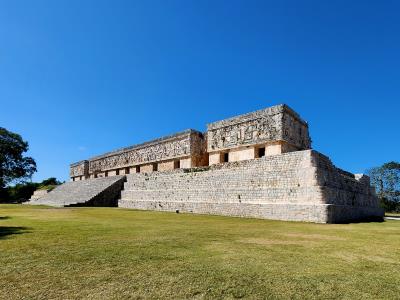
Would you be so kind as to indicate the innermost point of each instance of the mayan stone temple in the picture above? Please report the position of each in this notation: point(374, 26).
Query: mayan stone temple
point(258, 165)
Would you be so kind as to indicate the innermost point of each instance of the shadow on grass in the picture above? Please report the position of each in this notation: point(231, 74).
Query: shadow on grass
point(365, 220)
point(6, 231)
point(4, 218)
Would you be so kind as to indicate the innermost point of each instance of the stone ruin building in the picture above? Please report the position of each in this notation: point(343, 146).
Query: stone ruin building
point(258, 164)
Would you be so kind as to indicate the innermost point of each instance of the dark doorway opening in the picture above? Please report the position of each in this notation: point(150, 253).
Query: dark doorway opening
point(177, 164)
point(261, 152)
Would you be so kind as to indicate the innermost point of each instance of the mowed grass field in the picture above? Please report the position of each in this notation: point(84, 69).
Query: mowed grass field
point(107, 253)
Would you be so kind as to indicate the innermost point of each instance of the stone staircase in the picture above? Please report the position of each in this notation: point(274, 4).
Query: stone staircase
point(103, 191)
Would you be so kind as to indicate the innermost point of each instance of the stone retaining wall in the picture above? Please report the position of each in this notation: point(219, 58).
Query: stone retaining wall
point(38, 194)
point(298, 186)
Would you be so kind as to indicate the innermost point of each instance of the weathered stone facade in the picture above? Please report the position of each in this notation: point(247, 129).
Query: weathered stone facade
point(79, 170)
point(255, 165)
point(273, 124)
point(296, 186)
point(187, 148)
point(269, 131)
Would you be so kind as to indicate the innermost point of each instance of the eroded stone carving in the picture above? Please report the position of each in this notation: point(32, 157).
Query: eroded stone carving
point(251, 132)
point(79, 169)
point(278, 123)
point(178, 146)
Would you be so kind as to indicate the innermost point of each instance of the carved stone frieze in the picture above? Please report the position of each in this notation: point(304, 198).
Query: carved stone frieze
point(79, 169)
point(177, 146)
point(277, 123)
point(250, 132)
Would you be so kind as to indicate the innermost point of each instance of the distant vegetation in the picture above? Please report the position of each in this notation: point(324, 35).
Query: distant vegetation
point(386, 180)
point(23, 191)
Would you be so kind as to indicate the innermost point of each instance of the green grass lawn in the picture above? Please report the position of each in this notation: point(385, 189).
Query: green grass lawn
point(102, 253)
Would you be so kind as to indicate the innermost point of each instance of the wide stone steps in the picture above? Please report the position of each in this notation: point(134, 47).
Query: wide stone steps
point(98, 191)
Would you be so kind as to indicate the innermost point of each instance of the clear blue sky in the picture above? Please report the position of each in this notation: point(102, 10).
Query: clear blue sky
point(78, 78)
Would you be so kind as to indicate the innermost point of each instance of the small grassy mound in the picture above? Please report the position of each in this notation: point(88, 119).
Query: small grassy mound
point(103, 253)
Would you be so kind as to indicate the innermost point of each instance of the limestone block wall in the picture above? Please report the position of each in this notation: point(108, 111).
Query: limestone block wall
point(242, 154)
point(299, 186)
point(166, 166)
point(147, 168)
point(186, 163)
point(38, 194)
point(351, 195)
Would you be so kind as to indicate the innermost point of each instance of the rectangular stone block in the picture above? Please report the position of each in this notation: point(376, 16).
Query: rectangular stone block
point(242, 154)
point(147, 168)
point(166, 166)
point(214, 158)
point(135, 169)
point(124, 171)
point(185, 163)
point(273, 149)
point(111, 173)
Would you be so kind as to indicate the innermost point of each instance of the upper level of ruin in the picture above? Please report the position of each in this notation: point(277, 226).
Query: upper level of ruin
point(266, 126)
point(185, 149)
point(270, 131)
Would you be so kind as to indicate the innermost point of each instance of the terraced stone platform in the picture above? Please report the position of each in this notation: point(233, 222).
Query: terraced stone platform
point(295, 186)
point(93, 192)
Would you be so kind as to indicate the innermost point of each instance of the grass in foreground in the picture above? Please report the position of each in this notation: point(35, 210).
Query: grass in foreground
point(103, 253)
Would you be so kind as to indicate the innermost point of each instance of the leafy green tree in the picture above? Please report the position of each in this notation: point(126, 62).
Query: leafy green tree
point(14, 166)
point(386, 180)
point(50, 181)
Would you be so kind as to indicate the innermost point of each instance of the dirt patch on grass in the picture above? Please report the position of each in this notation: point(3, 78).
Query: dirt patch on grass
point(271, 242)
point(314, 236)
point(351, 257)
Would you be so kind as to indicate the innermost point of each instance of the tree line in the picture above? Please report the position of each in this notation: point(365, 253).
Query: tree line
point(16, 169)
